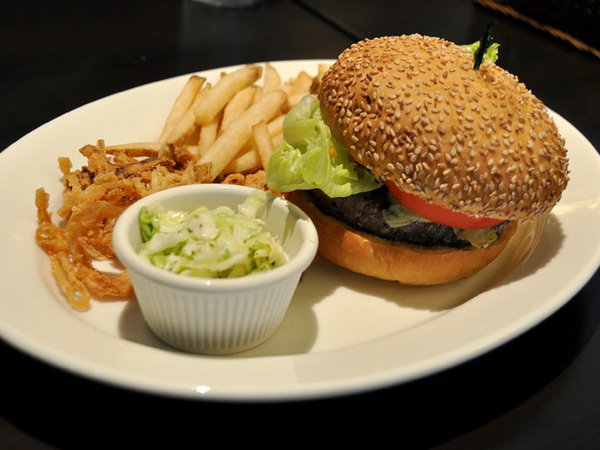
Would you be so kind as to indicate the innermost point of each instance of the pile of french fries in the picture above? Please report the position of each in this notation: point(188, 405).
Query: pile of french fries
point(230, 127)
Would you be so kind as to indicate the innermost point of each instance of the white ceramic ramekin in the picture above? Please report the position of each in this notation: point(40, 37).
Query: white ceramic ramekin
point(216, 316)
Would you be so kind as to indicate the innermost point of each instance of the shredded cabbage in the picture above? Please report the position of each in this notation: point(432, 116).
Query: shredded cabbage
point(312, 158)
point(217, 243)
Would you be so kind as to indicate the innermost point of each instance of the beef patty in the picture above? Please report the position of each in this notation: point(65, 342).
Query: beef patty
point(365, 212)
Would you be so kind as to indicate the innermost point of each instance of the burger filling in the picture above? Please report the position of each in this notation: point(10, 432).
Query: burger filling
point(378, 213)
point(311, 158)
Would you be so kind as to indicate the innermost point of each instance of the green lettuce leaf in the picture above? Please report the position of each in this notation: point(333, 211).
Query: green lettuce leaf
point(312, 158)
point(491, 54)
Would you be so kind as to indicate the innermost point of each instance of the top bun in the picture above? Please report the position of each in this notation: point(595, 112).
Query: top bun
point(413, 110)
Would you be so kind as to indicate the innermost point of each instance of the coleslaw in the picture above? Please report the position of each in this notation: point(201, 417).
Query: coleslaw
point(210, 243)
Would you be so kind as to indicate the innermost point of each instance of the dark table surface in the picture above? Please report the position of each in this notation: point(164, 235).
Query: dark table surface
point(539, 391)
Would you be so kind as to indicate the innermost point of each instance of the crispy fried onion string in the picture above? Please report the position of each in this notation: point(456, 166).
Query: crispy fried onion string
point(93, 198)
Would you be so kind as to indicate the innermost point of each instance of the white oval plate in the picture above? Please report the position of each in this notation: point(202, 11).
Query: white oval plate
point(343, 333)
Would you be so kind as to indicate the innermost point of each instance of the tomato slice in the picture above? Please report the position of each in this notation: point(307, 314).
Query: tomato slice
point(438, 214)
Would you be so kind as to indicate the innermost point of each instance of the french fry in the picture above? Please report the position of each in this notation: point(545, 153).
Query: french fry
point(208, 134)
point(224, 90)
point(186, 125)
point(182, 103)
point(228, 145)
point(322, 68)
point(294, 99)
point(272, 79)
point(287, 87)
point(258, 94)
point(277, 139)
point(248, 160)
point(238, 104)
point(276, 125)
point(301, 83)
point(264, 142)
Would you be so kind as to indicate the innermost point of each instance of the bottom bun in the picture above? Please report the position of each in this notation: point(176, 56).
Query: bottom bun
point(376, 257)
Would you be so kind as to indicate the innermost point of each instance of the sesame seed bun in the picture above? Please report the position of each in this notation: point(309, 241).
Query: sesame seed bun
point(413, 110)
point(376, 257)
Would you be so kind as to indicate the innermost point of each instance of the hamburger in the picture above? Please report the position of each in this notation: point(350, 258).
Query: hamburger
point(415, 164)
